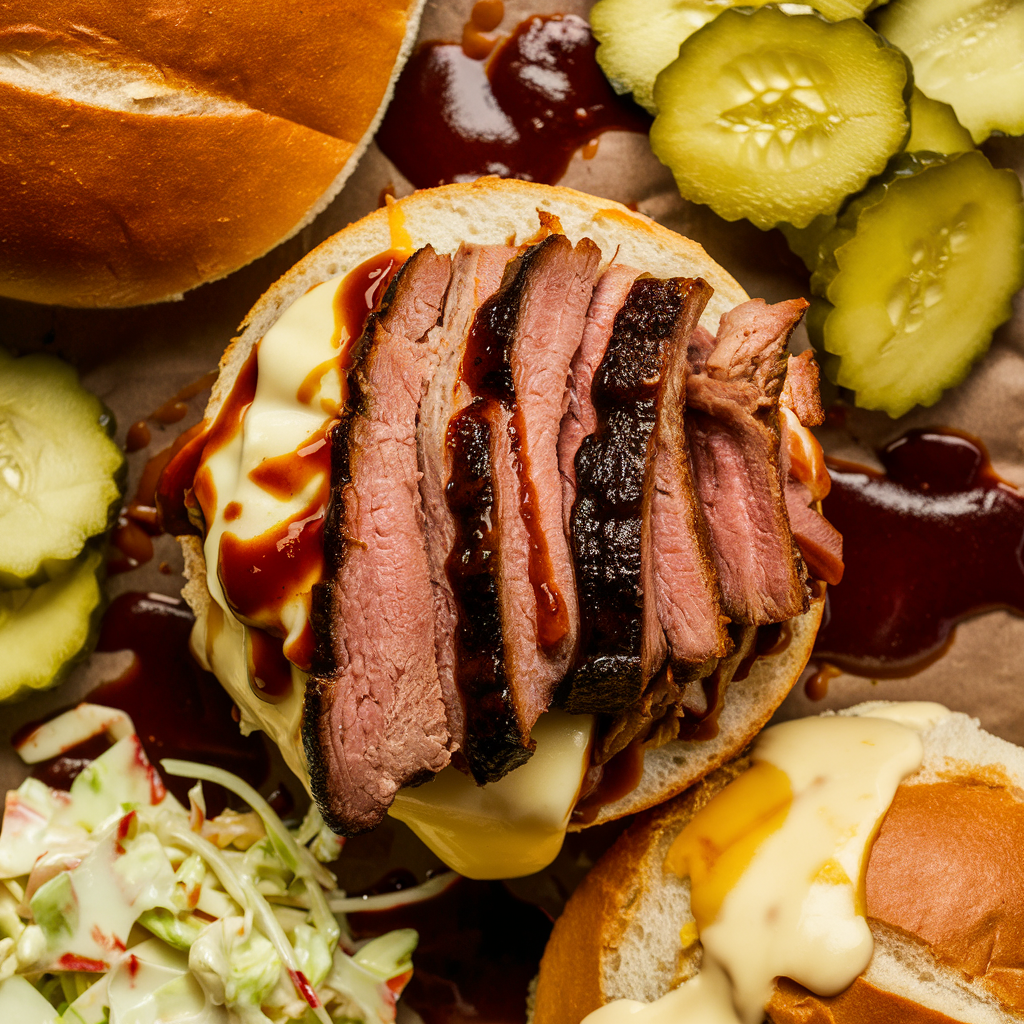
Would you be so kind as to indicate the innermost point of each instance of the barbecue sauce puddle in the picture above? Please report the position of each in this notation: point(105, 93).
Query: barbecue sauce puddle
point(522, 114)
point(179, 710)
point(936, 538)
point(479, 948)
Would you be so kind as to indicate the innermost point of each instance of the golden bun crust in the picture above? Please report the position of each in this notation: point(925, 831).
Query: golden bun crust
point(944, 895)
point(493, 210)
point(150, 150)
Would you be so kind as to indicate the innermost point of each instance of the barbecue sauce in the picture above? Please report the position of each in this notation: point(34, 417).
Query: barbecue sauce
point(522, 114)
point(487, 370)
point(936, 538)
point(493, 744)
point(479, 949)
point(608, 782)
point(179, 710)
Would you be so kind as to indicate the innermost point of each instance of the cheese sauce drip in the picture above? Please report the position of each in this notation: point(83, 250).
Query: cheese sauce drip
point(776, 862)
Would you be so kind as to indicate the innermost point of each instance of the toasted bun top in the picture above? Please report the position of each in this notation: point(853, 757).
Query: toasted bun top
point(945, 901)
point(156, 147)
point(493, 210)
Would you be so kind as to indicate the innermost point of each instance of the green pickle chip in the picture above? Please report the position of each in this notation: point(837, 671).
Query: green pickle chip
point(917, 274)
point(779, 117)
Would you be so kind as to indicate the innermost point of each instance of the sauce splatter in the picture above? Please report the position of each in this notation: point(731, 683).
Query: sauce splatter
point(934, 539)
point(523, 114)
point(163, 676)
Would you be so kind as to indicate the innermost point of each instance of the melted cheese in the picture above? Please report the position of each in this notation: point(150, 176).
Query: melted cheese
point(776, 861)
point(276, 423)
point(704, 999)
point(509, 828)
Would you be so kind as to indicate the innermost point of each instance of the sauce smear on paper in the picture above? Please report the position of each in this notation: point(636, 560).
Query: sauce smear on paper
point(521, 114)
point(178, 709)
point(936, 538)
point(479, 949)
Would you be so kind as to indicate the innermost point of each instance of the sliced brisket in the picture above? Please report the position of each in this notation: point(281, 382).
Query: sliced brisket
point(734, 440)
point(454, 459)
point(476, 273)
point(682, 599)
point(374, 718)
point(820, 542)
point(515, 366)
point(580, 418)
point(621, 647)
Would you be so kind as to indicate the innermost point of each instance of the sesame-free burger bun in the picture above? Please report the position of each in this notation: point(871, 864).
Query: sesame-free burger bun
point(944, 896)
point(151, 148)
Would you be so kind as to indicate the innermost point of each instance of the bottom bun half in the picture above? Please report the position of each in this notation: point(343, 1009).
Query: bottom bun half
point(943, 890)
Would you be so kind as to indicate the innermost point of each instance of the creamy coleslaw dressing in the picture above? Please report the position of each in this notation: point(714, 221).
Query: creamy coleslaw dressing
point(513, 827)
point(796, 910)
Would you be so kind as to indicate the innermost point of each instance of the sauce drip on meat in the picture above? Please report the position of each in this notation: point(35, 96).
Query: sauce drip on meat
point(487, 369)
point(163, 676)
point(936, 538)
point(521, 115)
point(493, 746)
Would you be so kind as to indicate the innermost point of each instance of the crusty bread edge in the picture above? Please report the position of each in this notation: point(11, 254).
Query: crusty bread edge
point(151, 286)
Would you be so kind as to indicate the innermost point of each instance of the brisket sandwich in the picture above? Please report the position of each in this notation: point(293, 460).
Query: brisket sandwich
point(508, 485)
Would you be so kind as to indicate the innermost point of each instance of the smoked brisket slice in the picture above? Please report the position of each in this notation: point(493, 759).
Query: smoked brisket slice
point(621, 646)
point(374, 718)
point(515, 366)
point(682, 614)
point(476, 273)
point(579, 418)
point(732, 426)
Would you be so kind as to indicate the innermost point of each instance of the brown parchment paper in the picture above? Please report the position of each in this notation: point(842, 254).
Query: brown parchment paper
point(136, 359)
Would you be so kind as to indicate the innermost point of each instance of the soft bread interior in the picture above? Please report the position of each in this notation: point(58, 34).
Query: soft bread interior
point(620, 935)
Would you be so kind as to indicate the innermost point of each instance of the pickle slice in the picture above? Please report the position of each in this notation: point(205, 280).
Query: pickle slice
point(640, 37)
point(45, 630)
point(924, 271)
point(934, 127)
point(778, 117)
point(637, 38)
point(966, 53)
point(61, 475)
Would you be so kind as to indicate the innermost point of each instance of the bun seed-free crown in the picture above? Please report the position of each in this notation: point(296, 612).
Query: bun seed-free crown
point(152, 147)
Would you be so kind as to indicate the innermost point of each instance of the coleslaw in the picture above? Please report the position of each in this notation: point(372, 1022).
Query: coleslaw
point(120, 906)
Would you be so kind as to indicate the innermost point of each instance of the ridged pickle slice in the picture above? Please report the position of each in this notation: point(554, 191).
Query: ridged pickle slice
point(640, 37)
point(934, 129)
point(926, 273)
point(967, 53)
point(44, 630)
point(61, 475)
point(778, 117)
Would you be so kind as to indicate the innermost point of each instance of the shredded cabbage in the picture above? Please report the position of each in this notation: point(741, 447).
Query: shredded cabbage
point(120, 906)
